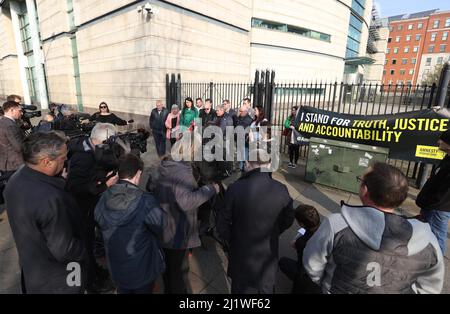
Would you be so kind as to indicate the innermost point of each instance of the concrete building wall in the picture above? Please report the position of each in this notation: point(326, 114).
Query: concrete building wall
point(293, 56)
point(57, 50)
point(9, 64)
point(137, 52)
point(374, 72)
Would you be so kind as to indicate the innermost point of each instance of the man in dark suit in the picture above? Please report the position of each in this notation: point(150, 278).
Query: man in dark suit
point(157, 122)
point(11, 138)
point(255, 211)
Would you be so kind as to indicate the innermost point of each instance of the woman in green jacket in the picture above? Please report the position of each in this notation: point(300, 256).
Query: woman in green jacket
point(188, 114)
point(294, 149)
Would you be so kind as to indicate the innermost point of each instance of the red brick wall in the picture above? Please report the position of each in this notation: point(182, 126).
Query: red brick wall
point(401, 54)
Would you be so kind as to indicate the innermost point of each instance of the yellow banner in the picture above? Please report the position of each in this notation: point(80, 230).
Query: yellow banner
point(432, 152)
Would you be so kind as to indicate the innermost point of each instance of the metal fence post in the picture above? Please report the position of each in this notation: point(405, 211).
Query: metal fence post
point(178, 91)
point(440, 102)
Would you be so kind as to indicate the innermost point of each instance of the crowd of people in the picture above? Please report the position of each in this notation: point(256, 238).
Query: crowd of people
point(76, 201)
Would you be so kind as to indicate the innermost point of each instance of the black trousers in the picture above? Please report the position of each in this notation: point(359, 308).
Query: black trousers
point(294, 153)
point(263, 288)
point(145, 289)
point(177, 268)
point(160, 141)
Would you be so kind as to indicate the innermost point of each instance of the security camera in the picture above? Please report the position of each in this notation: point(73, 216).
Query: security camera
point(148, 8)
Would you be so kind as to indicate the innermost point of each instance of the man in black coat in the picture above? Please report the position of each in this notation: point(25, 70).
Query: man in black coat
point(45, 220)
point(434, 198)
point(157, 122)
point(207, 114)
point(244, 120)
point(255, 211)
point(86, 181)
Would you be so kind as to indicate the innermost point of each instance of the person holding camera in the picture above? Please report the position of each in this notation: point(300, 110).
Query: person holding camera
point(105, 116)
point(11, 138)
point(88, 177)
point(46, 222)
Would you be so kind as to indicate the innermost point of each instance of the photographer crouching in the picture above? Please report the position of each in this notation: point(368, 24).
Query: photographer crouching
point(88, 177)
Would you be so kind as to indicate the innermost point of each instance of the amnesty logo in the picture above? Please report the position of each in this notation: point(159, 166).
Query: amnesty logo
point(432, 152)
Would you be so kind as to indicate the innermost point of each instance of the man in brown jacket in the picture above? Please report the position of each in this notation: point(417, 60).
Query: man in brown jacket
point(11, 138)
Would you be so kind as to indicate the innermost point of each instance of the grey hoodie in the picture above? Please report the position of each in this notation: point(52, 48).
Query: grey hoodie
point(365, 250)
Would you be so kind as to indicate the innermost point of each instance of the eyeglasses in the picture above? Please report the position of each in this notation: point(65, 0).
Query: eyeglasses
point(103, 107)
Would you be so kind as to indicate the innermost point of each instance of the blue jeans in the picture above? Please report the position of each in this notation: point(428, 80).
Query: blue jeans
point(242, 163)
point(438, 221)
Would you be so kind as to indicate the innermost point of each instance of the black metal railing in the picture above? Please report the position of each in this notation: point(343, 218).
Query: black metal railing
point(280, 97)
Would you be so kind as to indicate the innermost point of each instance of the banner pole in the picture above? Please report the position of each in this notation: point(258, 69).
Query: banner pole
point(440, 102)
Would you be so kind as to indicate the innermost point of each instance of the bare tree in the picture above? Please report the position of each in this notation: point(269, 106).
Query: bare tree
point(433, 76)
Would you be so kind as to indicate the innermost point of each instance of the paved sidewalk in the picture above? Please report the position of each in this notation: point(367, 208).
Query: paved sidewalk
point(208, 267)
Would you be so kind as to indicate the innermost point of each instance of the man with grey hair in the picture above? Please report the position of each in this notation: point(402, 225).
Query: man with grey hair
point(255, 211)
point(87, 180)
point(47, 223)
point(157, 121)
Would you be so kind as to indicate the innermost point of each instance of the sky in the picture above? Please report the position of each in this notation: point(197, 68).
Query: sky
point(396, 7)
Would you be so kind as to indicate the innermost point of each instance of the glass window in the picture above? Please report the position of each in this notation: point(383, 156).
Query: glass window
point(384, 72)
point(408, 37)
point(444, 36)
point(410, 26)
point(406, 49)
point(402, 72)
point(447, 22)
point(290, 29)
point(420, 25)
point(428, 62)
point(394, 61)
point(433, 36)
point(440, 60)
point(404, 61)
point(358, 6)
point(395, 50)
point(386, 61)
point(436, 24)
point(391, 28)
point(411, 71)
point(413, 61)
point(388, 51)
point(400, 82)
point(442, 48)
point(392, 72)
point(416, 48)
point(418, 36)
point(397, 39)
point(400, 27)
point(430, 48)
point(389, 39)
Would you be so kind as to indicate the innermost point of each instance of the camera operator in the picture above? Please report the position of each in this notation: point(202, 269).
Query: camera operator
point(46, 222)
point(86, 181)
point(11, 138)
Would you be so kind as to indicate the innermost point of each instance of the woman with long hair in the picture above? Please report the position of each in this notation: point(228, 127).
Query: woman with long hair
point(294, 148)
point(188, 114)
point(105, 116)
point(260, 127)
